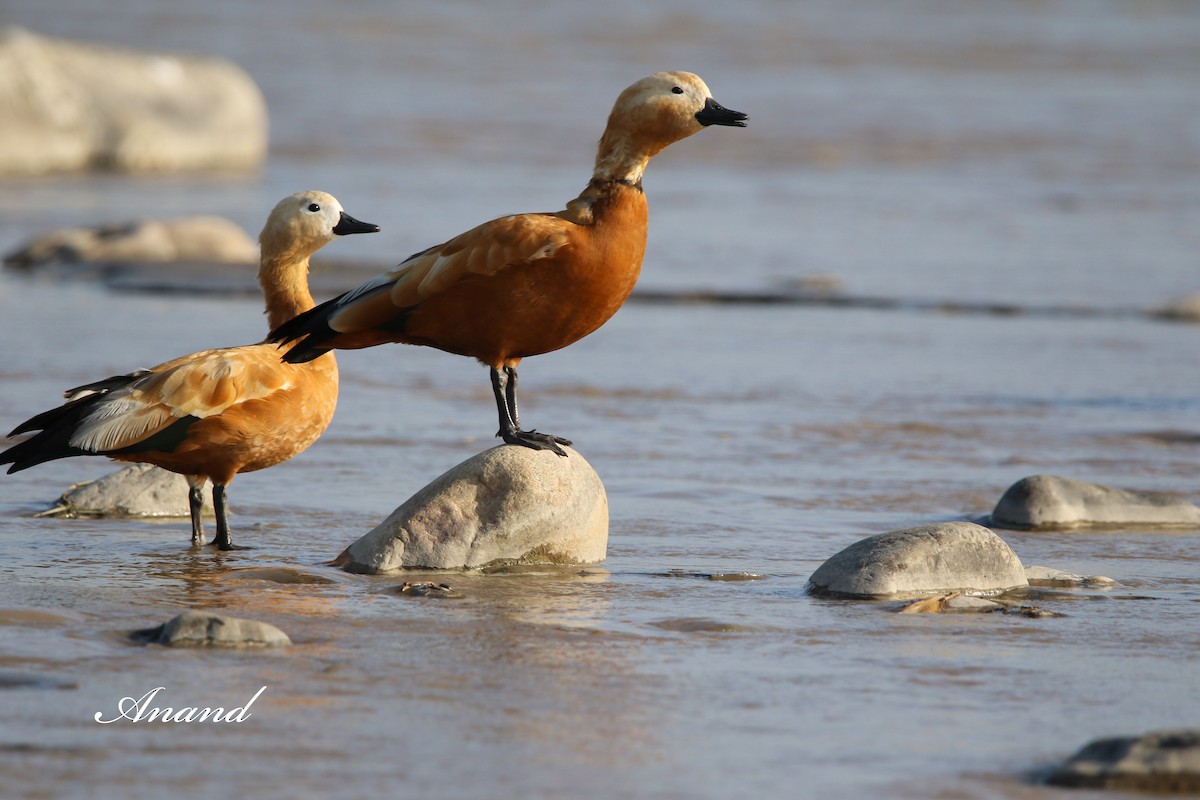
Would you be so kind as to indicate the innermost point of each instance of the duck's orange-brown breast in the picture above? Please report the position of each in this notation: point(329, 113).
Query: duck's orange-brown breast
point(535, 307)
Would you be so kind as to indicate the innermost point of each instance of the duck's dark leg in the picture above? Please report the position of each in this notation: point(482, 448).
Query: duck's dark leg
point(504, 386)
point(196, 509)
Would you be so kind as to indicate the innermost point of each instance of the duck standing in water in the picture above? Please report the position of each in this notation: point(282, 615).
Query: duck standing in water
point(211, 415)
point(529, 283)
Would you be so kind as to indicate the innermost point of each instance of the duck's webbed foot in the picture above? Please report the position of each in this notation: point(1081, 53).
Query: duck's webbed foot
point(535, 440)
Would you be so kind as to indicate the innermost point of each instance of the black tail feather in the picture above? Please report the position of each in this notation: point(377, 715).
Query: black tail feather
point(310, 329)
point(54, 440)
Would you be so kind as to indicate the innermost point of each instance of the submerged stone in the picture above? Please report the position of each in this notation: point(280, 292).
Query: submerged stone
point(509, 504)
point(202, 629)
point(1166, 762)
point(1048, 502)
point(942, 558)
point(139, 490)
point(954, 602)
point(1049, 576)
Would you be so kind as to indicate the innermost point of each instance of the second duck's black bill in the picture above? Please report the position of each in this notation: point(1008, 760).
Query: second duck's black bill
point(348, 224)
point(714, 113)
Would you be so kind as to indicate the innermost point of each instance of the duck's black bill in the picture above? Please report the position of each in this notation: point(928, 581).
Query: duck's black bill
point(348, 224)
point(714, 113)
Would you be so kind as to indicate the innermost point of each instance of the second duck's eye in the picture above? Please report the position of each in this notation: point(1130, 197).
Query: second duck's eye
point(677, 90)
point(313, 207)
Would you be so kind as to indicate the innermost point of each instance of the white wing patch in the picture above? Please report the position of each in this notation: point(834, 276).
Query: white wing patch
point(119, 423)
point(359, 291)
point(204, 387)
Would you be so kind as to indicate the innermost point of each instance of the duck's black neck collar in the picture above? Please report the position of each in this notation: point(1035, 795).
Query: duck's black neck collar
point(600, 183)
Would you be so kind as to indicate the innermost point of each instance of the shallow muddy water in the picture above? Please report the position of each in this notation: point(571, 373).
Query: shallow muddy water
point(1039, 156)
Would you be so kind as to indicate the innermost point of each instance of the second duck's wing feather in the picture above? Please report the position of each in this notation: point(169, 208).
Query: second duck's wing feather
point(199, 386)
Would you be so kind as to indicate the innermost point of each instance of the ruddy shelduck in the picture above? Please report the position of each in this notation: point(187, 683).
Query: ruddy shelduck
point(525, 284)
point(211, 415)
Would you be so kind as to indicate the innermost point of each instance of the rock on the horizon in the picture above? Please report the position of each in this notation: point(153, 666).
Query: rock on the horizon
point(201, 239)
point(940, 558)
point(1184, 309)
point(509, 504)
point(1164, 762)
point(72, 106)
point(139, 490)
point(203, 629)
point(1047, 502)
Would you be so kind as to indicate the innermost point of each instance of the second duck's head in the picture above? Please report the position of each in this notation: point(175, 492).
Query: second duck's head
point(307, 221)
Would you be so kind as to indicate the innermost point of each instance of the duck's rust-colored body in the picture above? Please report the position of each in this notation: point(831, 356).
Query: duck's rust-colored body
point(525, 284)
point(214, 414)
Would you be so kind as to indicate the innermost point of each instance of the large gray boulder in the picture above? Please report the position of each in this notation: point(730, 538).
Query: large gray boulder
point(71, 106)
point(1164, 762)
point(508, 504)
point(202, 239)
point(1048, 502)
point(139, 490)
point(940, 558)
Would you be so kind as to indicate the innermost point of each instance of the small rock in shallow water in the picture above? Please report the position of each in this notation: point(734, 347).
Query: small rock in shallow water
point(1167, 762)
point(11, 679)
point(1049, 502)
point(954, 602)
point(711, 576)
point(202, 629)
point(946, 557)
point(438, 590)
point(508, 504)
point(140, 490)
point(1048, 576)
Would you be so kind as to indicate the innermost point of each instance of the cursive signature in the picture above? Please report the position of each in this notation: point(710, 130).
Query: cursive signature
point(142, 709)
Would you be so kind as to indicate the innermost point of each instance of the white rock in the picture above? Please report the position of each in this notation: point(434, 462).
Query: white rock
point(193, 239)
point(202, 629)
point(139, 490)
point(1047, 502)
point(940, 558)
point(73, 106)
point(1165, 762)
point(509, 504)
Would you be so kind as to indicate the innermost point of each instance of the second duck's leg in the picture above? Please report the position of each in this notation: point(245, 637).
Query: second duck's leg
point(504, 387)
point(196, 509)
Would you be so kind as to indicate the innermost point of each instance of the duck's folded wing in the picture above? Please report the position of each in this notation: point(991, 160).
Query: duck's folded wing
point(190, 388)
point(480, 252)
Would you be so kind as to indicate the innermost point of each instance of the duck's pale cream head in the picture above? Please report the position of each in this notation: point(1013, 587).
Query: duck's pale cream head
point(654, 112)
point(306, 221)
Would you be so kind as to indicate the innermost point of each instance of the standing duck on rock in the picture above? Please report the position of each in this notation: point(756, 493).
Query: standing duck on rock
point(525, 284)
point(211, 415)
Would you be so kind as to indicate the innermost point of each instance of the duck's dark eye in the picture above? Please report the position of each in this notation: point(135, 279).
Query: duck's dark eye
point(313, 207)
point(677, 90)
